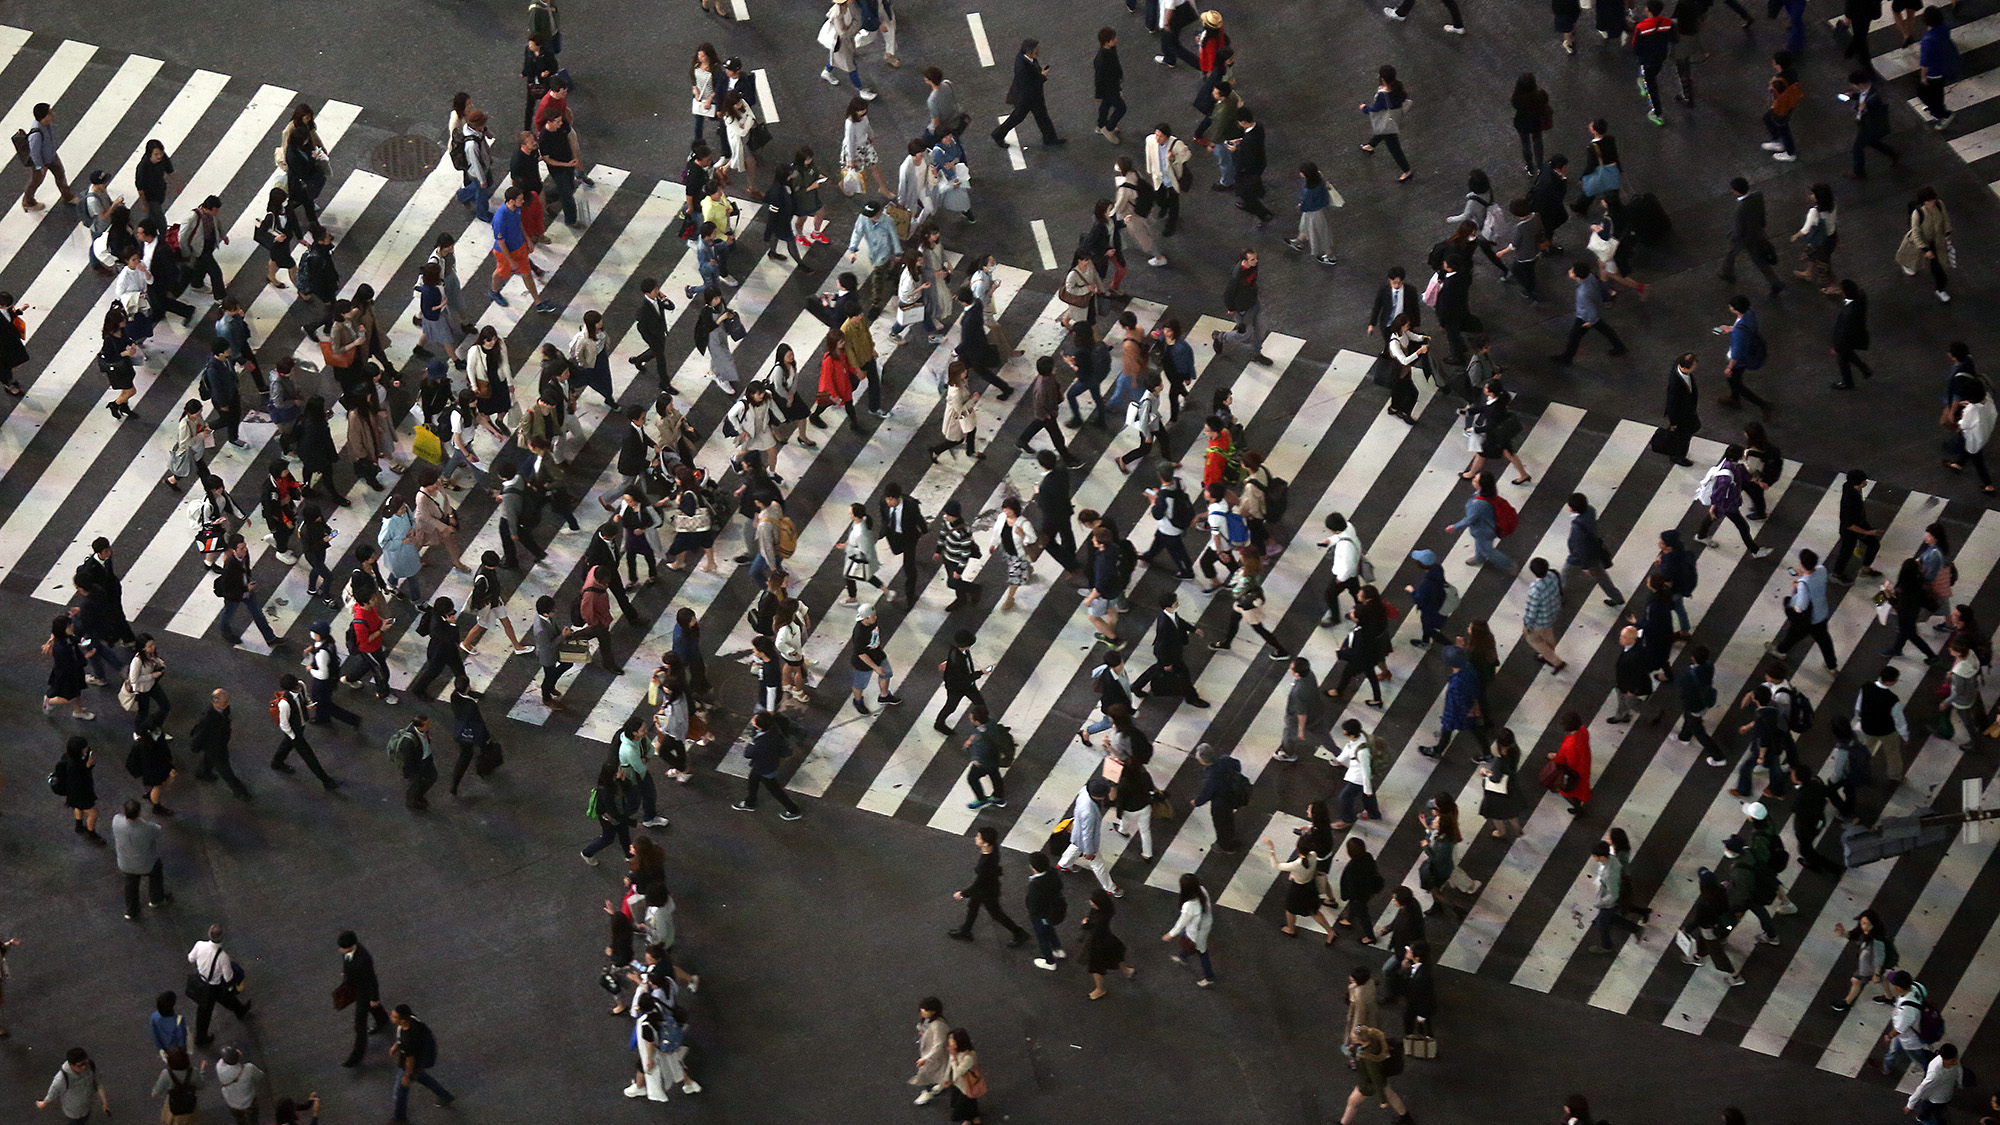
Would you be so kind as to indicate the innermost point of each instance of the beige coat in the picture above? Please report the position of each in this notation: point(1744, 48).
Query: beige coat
point(434, 519)
point(961, 414)
point(1930, 229)
point(1360, 1007)
point(933, 1064)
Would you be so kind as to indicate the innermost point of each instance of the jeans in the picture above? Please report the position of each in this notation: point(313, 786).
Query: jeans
point(619, 829)
point(977, 772)
point(1225, 165)
point(1488, 551)
point(476, 195)
point(1772, 758)
point(643, 798)
point(1353, 794)
point(1695, 728)
point(1780, 129)
point(1045, 937)
point(1175, 549)
point(230, 607)
point(1077, 390)
point(157, 698)
point(1600, 929)
point(1531, 147)
point(421, 1077)
point(561, 193)
point(1897, 1058)
point(156, 889)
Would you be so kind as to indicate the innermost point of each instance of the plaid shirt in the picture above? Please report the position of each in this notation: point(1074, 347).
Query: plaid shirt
point(1544, 602)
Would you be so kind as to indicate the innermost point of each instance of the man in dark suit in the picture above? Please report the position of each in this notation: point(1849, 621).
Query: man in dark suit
point(1026, 95)
point(1250, 163)
point(1169, 674)
point(1747, 236)
point(1394, 298)
point(1419, 990)
point(961, 680)
point(975, 348)
point(652, 324)
point(1850, 336)
point(441, 651)
point(635, 454)
point(1548, 196)
point(1683, 419)
point(902, 525)
point(1052, 500)
point(603, 552)
point(835, 309)
point(357, 976)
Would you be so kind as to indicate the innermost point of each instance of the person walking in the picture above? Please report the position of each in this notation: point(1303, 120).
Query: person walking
point(209, 740)
point(1371, 1051)
point(1239, 299)
point(1102, 950)
point(1928, 242)
point(76, 1079)
point(932, 1057)
point(1193, 925)
point(290, 704)
point(416, 1052)
point(43, 160)
point(1085, 829)
point(1480, 522)
point(1107, 84)
point(766, 753)
point(1025, 93)
point(1748, 236)
point(1385, 112)
point(411, 749)
point(837, 34)
point(984, 891)
point(1806, 611)
point(241, 1081)
point(1871, 120)
point(1532, 113)
point(136, 843)
point(1589, 309)
point(359, 988)
point(215, 980)
point(1220, 790)
point(179, 1082)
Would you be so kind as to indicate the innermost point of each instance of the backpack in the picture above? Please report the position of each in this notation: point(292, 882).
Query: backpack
point(1126, 557)
point(1704, 493)
point(180, 1095)
point(1277, 497)
point(1505, 518)
point(424, 622)
point(1002, 741)
point(1378, 763)
point(1755, 352)
point(788, 537)
point(1235, 529)
point(1451, 600)
point(1172, 506)
point(21, 149)
point(457, 151)
point(1497, 224)
point(277, 697)
point(1393, 1065)
point(1858, 771)
point(399, 745)
point(1799, 719)
point(1239, 790)
point(1930, 1021)
point(542, 22)
point(59, 777)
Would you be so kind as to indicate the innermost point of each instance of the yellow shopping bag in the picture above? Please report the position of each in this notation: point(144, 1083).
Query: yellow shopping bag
point(428, 447)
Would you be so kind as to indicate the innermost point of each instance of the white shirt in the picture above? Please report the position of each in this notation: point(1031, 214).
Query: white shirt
point(211, 962)
point(1355, 754)
point(1939, 1084)
point(1345, 559)
point(1218, 525)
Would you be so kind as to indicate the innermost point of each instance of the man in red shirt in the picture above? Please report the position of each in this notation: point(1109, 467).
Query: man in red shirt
point(368, 626)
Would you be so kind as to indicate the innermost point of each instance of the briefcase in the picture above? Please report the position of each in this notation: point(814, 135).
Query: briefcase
point(574, 651)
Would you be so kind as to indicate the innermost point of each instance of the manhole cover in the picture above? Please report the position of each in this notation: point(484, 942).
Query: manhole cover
point(408, 157)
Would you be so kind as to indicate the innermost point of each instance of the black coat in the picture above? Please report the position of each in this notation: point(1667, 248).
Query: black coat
point(1107, 73)
point(985, 878)
point(652, 322)
point(1053, 498)
point(1747, 226)
point(1170, 637)
point(358, 974)
point(913, 523)
point(1045, 897)
point(1025, 92)
point(1420, 993)
point(1850, 325)
point(1383, 314)
point(1683, 402)
point(1250, 153)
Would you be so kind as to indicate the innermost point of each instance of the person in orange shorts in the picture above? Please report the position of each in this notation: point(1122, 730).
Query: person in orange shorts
point(510, 253)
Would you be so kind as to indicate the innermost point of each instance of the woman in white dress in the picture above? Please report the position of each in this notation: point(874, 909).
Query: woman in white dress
point(738, 118)
point(911, 307)
point(857, 148)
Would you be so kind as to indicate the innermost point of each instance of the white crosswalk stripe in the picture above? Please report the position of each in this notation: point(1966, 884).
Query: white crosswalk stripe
point(1313, 410)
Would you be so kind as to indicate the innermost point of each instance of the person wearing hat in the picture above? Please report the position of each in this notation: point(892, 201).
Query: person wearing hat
point(1760, 838)
point(870, 660)
point(874, 236)
point(475, 147)
point(961, 681)
point(1857, 535)
point(1902, 1043)
point(1026, 94)
point(1427, 594)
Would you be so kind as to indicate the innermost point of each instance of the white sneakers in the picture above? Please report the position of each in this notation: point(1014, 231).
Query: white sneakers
point(925, 1097)
point(1391, 13)
point(1454, 29)
point(1042, 963)
point(1772, 146)
point(1784, 157)
point(1157, 260)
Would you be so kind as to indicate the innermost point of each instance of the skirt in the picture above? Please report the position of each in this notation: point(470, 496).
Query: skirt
point(864, 157)
point(1316, 231)
point(686, 541)
point(443, 332)
point(119, 374)
point(720, 362)
point(1103, 954)
point(1301, 899)
point(1019, 570)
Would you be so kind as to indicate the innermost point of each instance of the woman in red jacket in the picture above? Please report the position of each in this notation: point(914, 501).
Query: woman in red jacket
point(836, 379)
point(1575, 754)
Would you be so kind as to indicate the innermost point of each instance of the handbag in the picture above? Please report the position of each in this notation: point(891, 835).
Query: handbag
point(1432, 288)
point(1163, 809)
point(1941, 724)
point(127, 697)
point(900, 215)
point(427, 445)
point(196, 989)
point(827, 35)
point(343, 995)
point(759, 136)
point(1601, 179)
point(331, 358)
point(850, 181)
point(975, 1083)
point(1556, 777)
point(1882, 610)
point(1420, 1046)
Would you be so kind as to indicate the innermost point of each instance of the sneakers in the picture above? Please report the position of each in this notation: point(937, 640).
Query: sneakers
point(1656, 118)
point(1284, 756)
point(1040, 963)
point(1715, 761)
point(925, 1097)
point(790, 814)
point(1772, 146)
point(1453, 29)
point(741, 807)
point(1761, 553)
point(1786, 158)
point(889, 700)
point(1157, 260)
point(1767, 939)
point(1840, 1005)
point(655, 822)
point(1391, 13)
point(635, 1091)
point(591, 860)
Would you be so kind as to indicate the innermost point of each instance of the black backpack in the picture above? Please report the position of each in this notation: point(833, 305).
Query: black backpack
point(180, 1095)
point(457, 151)
point(1002, 741)
point(59, 777)
point(1800, 718)
point(1127, 559)
point(1239, 790)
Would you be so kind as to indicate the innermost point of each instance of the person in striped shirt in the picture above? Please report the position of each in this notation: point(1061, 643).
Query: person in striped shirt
point(956, 549)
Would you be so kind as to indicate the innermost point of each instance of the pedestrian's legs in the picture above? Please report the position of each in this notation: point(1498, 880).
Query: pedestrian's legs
point(1394, 142)
point(1046, 940)
point(1742, 528)
point(132, 894)
point(778, 791)
point(435, 1087)
point(1577, 329)
point(1225, 824)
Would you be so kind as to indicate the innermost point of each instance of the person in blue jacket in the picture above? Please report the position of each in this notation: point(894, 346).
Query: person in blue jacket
point(1461, 705)
point(1937, 66)
point(1428, 596)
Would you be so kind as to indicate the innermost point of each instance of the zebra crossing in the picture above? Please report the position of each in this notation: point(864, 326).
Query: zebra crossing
point(1973, 131)
point(69, 473)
